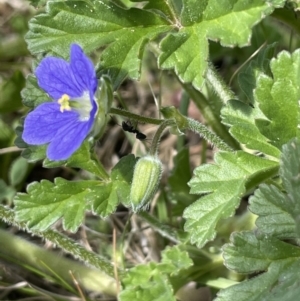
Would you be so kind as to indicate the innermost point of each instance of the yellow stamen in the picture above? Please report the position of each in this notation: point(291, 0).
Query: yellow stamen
point(64, 103)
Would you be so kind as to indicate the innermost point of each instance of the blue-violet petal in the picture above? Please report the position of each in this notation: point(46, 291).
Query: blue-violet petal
point(41, 124)
point(56, 77)
point(83, 69)
point(67, 140)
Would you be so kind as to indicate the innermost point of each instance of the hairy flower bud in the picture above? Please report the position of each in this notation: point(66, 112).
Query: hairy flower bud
point(146, 177)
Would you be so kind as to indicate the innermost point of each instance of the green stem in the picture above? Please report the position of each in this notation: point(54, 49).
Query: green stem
point(139, 118)
point(183, 109)
point(64, 242)
point(210, 115)
point(218, 85)
point(157, 136)
point(208, 135)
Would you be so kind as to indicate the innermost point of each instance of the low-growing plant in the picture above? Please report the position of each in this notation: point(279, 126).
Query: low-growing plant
point(254, 132)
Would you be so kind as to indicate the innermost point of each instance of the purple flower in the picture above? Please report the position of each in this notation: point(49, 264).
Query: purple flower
point(65, 122)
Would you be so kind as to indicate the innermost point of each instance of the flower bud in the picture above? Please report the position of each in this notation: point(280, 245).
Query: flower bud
point(146, 177)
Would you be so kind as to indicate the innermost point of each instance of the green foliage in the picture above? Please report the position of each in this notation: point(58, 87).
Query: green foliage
point(256, 159)
point(278, 99)
point(95, 24)
point(117, 191)
point(151, 281)
point(248, 253)
point(32, 95)
point(178, 192)
point(224, 183)
point(278, 213)
point(275, 99)
point(18, 171)
point(7, 193)
point(10, 93)
point(47, 202)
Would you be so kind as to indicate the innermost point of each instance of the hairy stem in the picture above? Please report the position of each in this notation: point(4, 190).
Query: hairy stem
point(138, 118)
point(157, 136)
point(218, 85)
point(210, 115)
point(64, 242)
point(208, 135)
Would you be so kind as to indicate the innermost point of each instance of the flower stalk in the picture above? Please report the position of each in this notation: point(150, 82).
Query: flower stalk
point(158, 134)
point(138, 118)
point(186, 123)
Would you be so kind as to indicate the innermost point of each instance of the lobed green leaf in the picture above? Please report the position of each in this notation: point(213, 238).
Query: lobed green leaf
point(46, 202)
point(224, 183)
point(125, 32)
point(277, 98)
point(151, 281)
point(96, 24)
point(278, 211)
point(241, 118)
point(229, 22)
point(274, 215)
point(247, 254)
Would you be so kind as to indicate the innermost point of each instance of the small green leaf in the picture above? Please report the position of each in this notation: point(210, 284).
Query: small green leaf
point(108, 195)
point(151, 282)
point(162, 7)
point(175, 260)
point(32, 94)
point(278, 99)
point(179, 191)
point(47, 202)
point(104, 198)
point(241, 118)
point(6, 192)
point(159, 289)
point(224, 183)
point(281, 279)
point(289, 172)
point(10, 89)
point(18, 171)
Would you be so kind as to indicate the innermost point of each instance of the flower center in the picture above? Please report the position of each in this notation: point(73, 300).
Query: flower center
point(64, 103)
point(81, 104)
